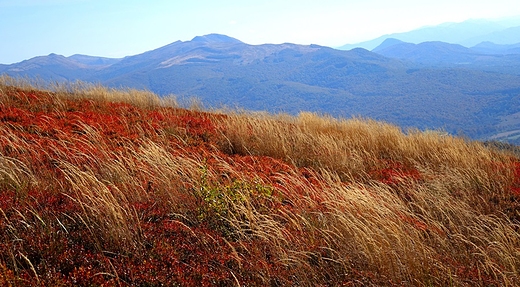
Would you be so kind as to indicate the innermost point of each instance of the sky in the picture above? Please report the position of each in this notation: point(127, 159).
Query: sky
point(118, 28)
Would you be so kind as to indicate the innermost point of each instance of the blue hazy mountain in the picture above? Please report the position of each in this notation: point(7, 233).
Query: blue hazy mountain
point(505, 36)
point(433, 53)
point(468, 33)
point(485, 56)
point(57, 67)
point(496, 49)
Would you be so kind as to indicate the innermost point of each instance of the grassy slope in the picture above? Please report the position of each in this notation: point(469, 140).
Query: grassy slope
point(103, 187)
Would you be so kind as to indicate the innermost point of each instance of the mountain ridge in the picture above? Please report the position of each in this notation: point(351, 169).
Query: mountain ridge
point(93, 60)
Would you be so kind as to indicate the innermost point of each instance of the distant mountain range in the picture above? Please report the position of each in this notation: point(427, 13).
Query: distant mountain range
point(432, 85)
point(468, 34)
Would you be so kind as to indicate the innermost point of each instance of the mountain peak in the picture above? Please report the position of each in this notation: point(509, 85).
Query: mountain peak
point(53, 55)
point(387, 43)
point(215, 38)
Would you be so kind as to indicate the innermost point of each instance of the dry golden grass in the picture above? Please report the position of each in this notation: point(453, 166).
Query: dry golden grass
point(81, 90)
point(452, 210)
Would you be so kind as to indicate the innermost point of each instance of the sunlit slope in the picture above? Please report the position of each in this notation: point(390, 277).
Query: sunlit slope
point(121, 188)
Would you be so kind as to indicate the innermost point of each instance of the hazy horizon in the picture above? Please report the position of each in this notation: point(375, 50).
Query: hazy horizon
point(115, 29)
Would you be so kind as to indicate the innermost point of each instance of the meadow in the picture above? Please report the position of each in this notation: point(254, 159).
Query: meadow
point(105, 187)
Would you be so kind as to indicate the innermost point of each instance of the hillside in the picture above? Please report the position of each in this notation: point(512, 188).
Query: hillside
point(102, 187)
point(411, 91)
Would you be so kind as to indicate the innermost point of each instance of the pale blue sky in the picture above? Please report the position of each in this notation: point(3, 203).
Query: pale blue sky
point(114, 28)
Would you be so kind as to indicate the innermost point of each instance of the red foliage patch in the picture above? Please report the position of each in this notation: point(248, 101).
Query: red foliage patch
point(42, 229)
point(515, 188)
point(394, 173)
